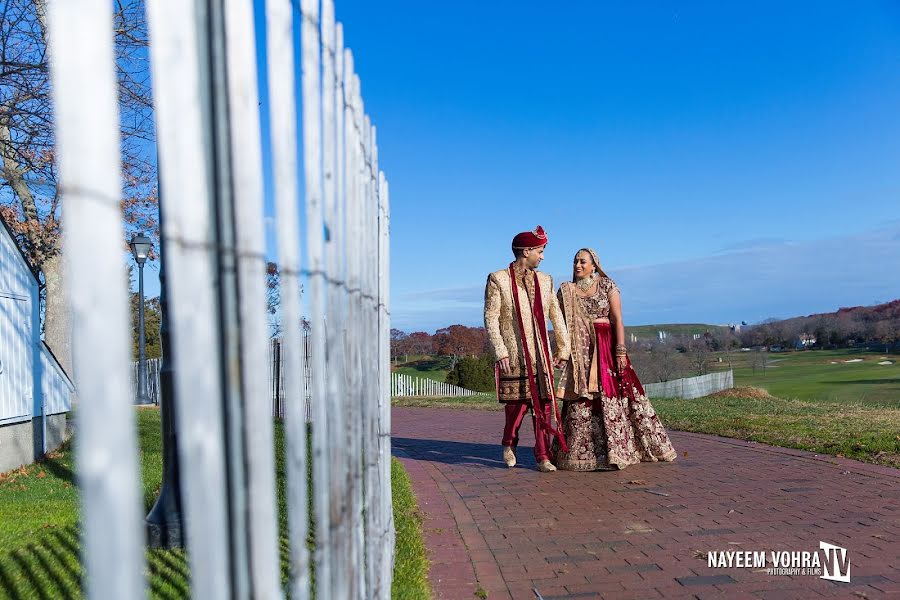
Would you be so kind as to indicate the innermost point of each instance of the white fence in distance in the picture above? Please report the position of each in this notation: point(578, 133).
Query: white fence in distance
point(204, 61)
point(276, 378)
point(153, 381)
point(407, 385)
point(691, 387)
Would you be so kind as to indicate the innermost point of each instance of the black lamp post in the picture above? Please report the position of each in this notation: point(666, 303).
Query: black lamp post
point(165, 522)
point(140, 248)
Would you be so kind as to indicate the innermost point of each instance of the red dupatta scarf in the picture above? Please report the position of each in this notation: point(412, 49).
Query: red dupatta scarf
point(537, 315)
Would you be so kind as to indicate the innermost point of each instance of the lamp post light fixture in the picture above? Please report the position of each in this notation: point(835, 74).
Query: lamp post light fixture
point(140, 249)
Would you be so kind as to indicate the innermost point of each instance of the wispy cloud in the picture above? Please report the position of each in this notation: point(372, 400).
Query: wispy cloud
point(751, 281)
point(465, 295)
point(431, 309)
point(755, 244)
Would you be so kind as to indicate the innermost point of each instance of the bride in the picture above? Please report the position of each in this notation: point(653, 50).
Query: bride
point(607, 420)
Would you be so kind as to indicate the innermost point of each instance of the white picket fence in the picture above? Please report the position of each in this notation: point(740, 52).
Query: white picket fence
point(276, 378)
point(153, 379)
point(691, 387)
point(407, 385)
point(204, 65)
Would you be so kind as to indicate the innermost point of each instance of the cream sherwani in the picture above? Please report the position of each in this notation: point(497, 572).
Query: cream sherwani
point(503, 329)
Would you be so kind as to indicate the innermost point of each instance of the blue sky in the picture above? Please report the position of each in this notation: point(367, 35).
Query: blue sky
point(728, 161)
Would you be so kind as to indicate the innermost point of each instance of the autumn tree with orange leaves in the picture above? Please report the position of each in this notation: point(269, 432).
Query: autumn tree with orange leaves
point(29, 194)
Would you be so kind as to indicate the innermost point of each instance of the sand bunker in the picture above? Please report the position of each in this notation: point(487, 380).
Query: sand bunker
point(852, 360)
point(885, 362)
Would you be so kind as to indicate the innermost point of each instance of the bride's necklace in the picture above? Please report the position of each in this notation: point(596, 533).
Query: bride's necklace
point(586, 283)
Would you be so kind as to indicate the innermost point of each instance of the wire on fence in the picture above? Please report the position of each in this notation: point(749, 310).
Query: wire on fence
point(204, 64)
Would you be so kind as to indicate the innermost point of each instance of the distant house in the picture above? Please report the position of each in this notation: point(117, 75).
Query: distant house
point(35, 391)
point(805, 340)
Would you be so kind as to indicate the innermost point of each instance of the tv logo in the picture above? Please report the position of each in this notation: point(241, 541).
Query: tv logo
point(835, 561)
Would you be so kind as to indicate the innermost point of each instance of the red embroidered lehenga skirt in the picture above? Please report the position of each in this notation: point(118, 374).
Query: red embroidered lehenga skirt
point(619, 428)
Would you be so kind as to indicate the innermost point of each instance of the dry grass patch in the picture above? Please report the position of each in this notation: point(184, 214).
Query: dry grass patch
point(751, 392)
point(487, 402)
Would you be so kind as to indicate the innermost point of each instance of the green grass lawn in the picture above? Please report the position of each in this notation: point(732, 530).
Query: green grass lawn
point(431, 367)
point(410, 563)
point(856, 430)
point(821, 375)
point(40, 546)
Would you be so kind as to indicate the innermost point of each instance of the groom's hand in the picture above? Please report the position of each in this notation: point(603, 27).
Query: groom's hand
point(504, 365)
point(560, 364)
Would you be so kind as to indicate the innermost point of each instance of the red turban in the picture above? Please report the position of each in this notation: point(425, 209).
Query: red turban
point(530, 239)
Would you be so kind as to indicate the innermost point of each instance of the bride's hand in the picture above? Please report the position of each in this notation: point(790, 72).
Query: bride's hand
point(621, 363)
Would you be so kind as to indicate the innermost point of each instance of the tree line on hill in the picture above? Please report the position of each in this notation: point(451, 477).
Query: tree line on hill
point(455, 341)
point(847, 327)
point(676, 356)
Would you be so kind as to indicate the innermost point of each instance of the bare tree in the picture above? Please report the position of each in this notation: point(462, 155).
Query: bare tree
point(885, 333)
point(760, 361)
point(273, 299)
point(398, 346)
point(699, 355)
point(661, 362)
point(29, 195)
point(669, 362)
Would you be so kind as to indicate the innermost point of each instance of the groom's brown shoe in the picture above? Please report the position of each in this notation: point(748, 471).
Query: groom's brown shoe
point(509, 456)
point(545, 466)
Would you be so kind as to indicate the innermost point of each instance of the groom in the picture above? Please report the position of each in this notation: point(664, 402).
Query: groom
point(518, 301)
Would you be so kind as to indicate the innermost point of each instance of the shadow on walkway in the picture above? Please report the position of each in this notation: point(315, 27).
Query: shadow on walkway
point(458, 453)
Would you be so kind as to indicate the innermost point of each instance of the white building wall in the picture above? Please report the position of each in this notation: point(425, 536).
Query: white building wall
point(15, 278)
point(31, 381)
point(56, 388)
point(18, 299)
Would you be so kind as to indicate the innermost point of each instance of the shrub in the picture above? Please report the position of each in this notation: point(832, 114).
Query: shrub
point(473, 374)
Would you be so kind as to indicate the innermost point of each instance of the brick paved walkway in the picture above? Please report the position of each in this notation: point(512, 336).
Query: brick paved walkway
point(640, 533)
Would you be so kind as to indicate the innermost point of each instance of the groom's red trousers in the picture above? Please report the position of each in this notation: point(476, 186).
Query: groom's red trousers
point(515, 413)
